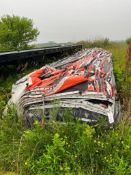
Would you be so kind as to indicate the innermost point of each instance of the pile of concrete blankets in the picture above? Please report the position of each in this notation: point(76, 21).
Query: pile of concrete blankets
point(83, 82)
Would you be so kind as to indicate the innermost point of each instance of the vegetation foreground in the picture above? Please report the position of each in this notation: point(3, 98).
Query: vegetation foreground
point(71, 148)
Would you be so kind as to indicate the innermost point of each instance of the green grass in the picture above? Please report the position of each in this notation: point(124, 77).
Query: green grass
point(73, 148)
point(8, 173)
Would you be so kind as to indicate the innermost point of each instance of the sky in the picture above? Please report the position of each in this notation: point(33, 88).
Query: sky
point(74, 20)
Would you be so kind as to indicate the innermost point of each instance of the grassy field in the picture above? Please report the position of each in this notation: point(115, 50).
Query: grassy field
point(73, 148)
point(8, 173)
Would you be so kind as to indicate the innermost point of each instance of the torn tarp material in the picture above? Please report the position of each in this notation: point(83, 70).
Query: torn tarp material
point(83, 82)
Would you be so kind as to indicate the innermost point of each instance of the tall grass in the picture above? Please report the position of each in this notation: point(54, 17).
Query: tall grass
point(72, 148)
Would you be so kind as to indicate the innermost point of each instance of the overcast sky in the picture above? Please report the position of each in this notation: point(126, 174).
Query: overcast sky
point(73, 20)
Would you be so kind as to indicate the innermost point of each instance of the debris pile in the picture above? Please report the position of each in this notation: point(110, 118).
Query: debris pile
point(83, 82)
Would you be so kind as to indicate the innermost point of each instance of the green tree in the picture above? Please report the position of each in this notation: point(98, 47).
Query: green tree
point(16, 33)
point(128, 40)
